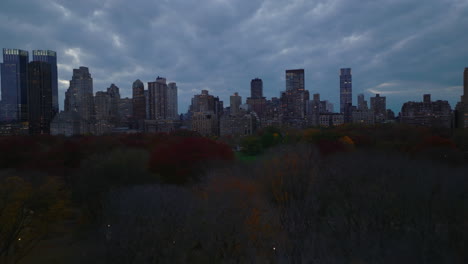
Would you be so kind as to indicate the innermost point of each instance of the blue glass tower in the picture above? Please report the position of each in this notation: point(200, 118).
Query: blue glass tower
point(14, 74)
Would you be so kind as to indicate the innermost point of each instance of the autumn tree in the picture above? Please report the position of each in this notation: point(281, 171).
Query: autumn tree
point(27, 214)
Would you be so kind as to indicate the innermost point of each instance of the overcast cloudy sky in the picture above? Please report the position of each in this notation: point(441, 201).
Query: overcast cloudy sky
point(398, 48)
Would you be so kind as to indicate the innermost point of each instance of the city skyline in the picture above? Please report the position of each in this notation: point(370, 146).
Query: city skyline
point(220, 46)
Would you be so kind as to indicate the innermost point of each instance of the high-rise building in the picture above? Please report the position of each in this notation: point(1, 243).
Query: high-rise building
point(362, 114)
point(172, 106)
point(147, 104)
point(379, 107)
point(235, 102)
point(14, 74)
point(114, 96)
point(294, 99)
point(256, 101)
point(40, 105)
point(125, 111)
point(346, 90)
point(465, 87)
point(51, 58)
point(256, 88)
point(158, 102)
point(102, 105)
point(203, 102)
point(362, 104)
point(461, 113)
point(79, 98)
point(295, 80)
point(139, 102)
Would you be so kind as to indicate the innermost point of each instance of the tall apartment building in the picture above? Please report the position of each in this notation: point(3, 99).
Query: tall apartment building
point(172, 105)
point(346, 93)
point(462, 107)
point(465, 87)
point(235, 103)
point(206, 102)
point(79, 98)
point(362, 104)
point(139, 101)
point(256, 88)
point(256, 101)
point(158, 99)
point(379, 107)
point(362, 114)
point(114, 96)
point(294, 99)
point(346, 89)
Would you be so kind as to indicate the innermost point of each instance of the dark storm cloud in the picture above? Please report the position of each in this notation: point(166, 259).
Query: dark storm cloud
point(398, 48)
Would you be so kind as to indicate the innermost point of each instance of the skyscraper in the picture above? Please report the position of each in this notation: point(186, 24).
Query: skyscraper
point(362, 104)
point(256, 101)
point(51, 58)
point(14, 73)
point(235, 102)
point(40, 106)
point(379, 107)
point(158, 99)
point(294, 99)
point(465, 87)
point(79, 98)
point(139, 102)
point(172, 106)
point(256, 88)
point(346, 89)
point(102, 105)
point(114, 96)
point(295, 80)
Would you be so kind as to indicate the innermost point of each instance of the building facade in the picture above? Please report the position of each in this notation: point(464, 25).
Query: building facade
point(235, 103)
point(139, 101)
point(172, 105)
point(294, 99)
point(14, 75)
point(51, 58)
point(346, 91)
point(379, 107)
point(79, 98)
point(241, 124)
point(427, 113)
point(40, 98)
point(158, 103)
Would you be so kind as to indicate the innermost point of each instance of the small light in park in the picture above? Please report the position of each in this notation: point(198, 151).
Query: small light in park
point(274, 248)
point(19, 239)
point(108, 225)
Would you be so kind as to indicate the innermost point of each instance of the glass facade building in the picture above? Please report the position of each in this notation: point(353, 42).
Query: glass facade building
point(51, 58)
point(14, 74)
point(40, 106)
point(295, 80)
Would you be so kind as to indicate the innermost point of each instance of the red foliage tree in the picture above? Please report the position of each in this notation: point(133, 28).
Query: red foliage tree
point(182, 160)
point(328, 147)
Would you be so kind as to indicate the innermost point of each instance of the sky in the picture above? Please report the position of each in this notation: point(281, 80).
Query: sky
point(401, 49)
